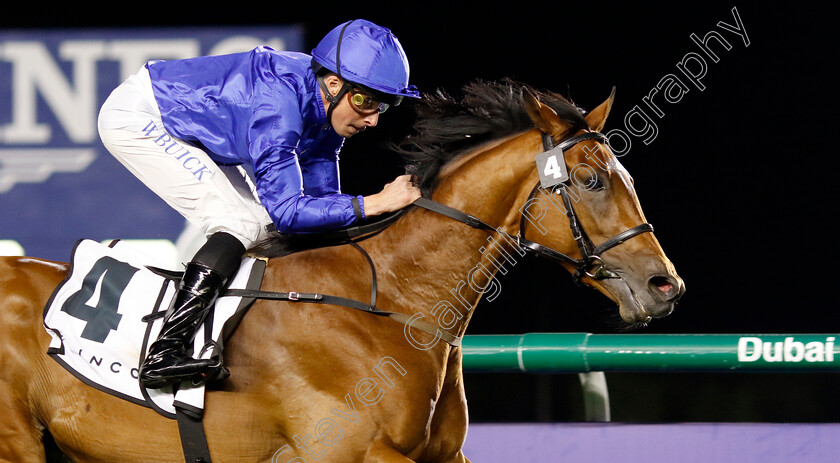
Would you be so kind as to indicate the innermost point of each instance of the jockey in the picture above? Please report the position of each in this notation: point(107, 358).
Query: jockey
point(186, 128)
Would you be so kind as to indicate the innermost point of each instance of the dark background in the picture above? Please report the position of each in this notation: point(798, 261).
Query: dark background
point(739, 183)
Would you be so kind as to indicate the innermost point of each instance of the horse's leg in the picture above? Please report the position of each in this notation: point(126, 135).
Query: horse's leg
point(385, 454)
point(450, 420)
point(20, 440)
point(459, 458)
point(20, 328)
point(381, 453)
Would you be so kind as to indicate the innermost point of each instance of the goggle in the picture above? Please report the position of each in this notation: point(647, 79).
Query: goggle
point(365, 103)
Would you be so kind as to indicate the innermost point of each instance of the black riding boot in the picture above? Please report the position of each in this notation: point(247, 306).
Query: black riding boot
point(167, 361)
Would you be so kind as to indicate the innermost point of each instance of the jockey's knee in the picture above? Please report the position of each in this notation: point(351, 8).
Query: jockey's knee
point(248, 233)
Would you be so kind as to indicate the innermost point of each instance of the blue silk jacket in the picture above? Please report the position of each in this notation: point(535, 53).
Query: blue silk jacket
point(264, 109)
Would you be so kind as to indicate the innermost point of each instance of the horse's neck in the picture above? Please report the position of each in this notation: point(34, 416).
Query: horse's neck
point(442, 264)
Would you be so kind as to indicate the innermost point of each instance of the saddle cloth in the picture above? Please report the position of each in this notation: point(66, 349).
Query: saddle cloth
point(96, 321)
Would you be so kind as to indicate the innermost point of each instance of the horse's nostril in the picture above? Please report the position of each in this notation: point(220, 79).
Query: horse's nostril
point(663, 284)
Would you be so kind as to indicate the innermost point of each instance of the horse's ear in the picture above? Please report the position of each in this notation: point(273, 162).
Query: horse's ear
point(598, 116)
point(543, 116)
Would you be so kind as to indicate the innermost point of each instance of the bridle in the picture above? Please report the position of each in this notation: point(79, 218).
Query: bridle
point(590, 263)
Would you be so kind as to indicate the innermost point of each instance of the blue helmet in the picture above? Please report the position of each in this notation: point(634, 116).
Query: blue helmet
point(361, 52)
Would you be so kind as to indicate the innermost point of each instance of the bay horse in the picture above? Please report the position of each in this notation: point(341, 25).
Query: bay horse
point(323, 383)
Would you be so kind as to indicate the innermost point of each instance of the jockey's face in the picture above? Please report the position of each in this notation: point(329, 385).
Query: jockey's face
point(348, 119)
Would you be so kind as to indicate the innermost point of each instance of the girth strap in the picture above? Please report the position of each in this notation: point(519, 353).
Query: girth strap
point(345, 302)
point(193, 437)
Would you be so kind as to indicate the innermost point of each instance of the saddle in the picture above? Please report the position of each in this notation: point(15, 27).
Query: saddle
point(108, 310)
point(279, 244)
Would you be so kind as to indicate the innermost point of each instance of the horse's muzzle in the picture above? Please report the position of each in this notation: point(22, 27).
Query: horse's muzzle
point(666, 288)
point(664, 292)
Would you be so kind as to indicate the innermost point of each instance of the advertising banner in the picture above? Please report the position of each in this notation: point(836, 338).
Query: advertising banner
point(58, 184)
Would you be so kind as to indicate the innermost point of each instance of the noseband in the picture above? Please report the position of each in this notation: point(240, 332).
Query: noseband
point(590, 264)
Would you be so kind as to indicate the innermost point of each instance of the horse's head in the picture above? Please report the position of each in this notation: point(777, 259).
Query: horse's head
point(625, 262)
point(477, 155)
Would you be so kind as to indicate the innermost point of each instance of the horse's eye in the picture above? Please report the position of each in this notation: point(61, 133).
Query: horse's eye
point(594, 183)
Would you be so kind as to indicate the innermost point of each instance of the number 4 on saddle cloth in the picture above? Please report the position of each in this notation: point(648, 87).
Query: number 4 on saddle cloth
point(110, 308)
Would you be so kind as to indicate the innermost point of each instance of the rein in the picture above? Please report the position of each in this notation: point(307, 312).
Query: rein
point(590, 264)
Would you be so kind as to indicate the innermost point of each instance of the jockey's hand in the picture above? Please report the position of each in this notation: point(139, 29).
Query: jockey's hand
point(394, 196)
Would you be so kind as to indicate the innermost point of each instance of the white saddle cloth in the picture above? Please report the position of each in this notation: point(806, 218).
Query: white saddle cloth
point(95, 318)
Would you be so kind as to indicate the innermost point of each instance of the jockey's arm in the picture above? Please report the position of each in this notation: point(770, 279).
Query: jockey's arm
point(280, 187)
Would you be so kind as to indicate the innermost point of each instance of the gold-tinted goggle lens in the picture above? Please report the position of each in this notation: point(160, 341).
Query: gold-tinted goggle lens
point(366, 103)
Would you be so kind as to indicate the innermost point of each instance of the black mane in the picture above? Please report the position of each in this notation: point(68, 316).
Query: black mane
point(446, 128)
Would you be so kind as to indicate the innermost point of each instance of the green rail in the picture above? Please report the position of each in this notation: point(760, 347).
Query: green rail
point(585, 352)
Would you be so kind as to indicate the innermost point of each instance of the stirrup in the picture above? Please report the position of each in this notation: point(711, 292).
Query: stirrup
point(217, 372)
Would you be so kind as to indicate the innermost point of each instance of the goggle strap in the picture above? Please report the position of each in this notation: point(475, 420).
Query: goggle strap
point(334, 100)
